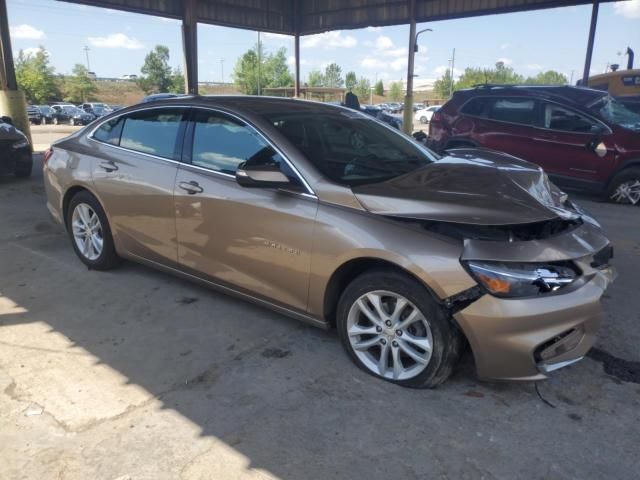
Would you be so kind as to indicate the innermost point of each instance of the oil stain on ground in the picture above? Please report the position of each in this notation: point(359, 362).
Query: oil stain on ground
point(623, 370)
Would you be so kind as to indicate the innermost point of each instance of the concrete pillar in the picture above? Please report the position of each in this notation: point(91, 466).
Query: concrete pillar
point(12, 102)
point(407, 119)
point(190, 45)
point(592, 35)
point(297, 73)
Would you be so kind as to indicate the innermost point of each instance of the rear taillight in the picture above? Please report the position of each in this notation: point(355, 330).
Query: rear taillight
point(436, 117)
point(47, 155)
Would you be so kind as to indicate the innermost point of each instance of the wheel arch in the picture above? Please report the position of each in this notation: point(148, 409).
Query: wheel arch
point(625, 165)
point(348, 271)
point(71, 192)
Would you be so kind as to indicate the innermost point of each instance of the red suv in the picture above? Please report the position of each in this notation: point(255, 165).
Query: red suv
point(581, 137)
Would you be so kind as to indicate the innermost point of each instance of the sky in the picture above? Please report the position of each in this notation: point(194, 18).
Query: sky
point(529, 42)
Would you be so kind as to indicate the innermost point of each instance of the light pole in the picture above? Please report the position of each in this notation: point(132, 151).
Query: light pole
point(86, 51)
point(407, 120)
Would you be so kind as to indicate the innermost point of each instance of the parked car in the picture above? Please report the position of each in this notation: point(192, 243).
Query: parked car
point(15, 150)
point(34, 115)
point(116, 107)
point(424, 115)
point(72, 115)
point(322, 213)
point(395, 107)
point(96, 109)
point(581, 137)
point(47, 113)
point(394, 120)
point(372, 110)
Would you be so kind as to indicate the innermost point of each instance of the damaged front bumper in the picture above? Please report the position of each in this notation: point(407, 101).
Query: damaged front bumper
point(527, 338)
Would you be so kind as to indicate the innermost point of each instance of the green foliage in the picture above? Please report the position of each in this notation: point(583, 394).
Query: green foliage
point(379, 88)
point(176, 84)
point(396, 91)
point(315, 78)
point(350, 80)
point(442, 86)
point(156, 72)
point(363, 88)
point(79, 87)
point(333, 76)
point(36, 78)
point(271, 71)
point(550, 77)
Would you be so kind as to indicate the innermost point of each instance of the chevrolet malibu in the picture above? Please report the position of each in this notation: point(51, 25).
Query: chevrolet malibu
point(329, 216)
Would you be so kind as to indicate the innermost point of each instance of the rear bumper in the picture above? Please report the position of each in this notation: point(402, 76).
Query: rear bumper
point(9, 158)
point(526, 339)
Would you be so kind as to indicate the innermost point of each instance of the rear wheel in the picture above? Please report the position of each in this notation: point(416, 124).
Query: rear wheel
point(393, 329)
point(625, 187)
point(90, 233)
point(423, 119)
point(23, 169)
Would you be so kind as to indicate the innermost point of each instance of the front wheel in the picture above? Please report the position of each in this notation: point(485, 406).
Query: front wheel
point(90, 234)
point(625, 187)
point(393, 329)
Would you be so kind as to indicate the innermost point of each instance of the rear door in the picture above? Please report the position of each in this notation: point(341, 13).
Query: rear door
point(134, 175)
point(255, 239)
point(566, 139)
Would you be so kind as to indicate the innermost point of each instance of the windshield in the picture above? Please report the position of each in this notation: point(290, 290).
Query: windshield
point(350, 148)
point(616, 112)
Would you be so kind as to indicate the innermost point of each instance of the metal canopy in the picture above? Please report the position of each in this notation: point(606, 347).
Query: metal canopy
point(304, 17)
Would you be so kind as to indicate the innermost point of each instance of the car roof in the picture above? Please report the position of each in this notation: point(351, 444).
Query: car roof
point(578, 95)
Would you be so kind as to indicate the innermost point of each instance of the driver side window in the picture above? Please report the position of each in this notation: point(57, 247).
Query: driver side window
point(222, 143)
point(563, 119)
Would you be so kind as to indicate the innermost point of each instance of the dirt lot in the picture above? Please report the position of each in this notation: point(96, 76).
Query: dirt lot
point(134, 374)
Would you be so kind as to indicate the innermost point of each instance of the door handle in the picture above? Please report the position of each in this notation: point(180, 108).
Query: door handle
point(191, 187)
point(108, 166)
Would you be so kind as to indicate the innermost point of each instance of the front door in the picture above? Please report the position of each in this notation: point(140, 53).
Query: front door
point(255, 239)
point(134, 174)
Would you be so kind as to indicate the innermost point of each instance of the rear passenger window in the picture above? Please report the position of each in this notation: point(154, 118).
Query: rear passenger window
point(153, 131)
point(476, 107)
point(109, 132)
point(513, 110)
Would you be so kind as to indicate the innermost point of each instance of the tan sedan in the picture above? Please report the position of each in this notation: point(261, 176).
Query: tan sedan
point(329, 216)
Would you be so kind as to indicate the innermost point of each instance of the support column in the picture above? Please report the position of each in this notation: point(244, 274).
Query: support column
point(12, 101)
point(592, 36)
point(297, 73)
point(407, 118)
point(190, 45)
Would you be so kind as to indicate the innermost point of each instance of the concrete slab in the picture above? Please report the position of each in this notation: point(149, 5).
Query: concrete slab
point(134, 374)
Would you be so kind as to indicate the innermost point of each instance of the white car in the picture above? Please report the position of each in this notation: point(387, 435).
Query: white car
point(424, 115)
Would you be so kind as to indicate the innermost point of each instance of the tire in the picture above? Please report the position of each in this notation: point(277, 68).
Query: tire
point(431, 325)
point(23, 169)
point(104, 259)
point(625, 187)
point(423, 120)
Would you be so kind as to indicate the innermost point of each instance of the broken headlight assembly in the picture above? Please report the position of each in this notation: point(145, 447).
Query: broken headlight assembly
point(518, 280)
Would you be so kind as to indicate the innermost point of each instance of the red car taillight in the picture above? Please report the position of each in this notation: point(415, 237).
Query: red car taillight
point(47, 156)
point(436, 117)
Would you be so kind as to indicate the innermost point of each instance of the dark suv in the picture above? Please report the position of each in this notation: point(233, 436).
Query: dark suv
point(581, 137)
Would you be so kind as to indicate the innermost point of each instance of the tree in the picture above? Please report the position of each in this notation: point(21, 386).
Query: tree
point(363, 88)
point(333, 76)
point(270, 71)
point(156, 72)
point(176, 84)
point(395, 91)
point(442, 86)
point(315, 78)
point(350, 80)
point(379, 88)
point(80, 86)
point(36, 78)
point(550, 77)
point(501, 74)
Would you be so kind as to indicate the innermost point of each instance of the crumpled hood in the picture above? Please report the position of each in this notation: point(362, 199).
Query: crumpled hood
point(470, 186)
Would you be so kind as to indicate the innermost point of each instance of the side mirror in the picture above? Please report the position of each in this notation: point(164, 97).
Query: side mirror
point(261, 176)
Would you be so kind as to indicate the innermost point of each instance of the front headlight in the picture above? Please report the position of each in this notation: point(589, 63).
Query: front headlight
point(20, 144)
point(513, 280)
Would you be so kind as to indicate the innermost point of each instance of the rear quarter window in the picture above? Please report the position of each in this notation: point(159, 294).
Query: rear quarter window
point(513, 110)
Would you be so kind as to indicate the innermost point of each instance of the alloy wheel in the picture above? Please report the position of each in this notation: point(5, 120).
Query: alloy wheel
point(627, 192)
point(87, 231)
point(389, 335)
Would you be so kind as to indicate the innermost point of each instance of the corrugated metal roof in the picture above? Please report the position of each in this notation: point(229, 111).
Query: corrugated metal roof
point(314, 16)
